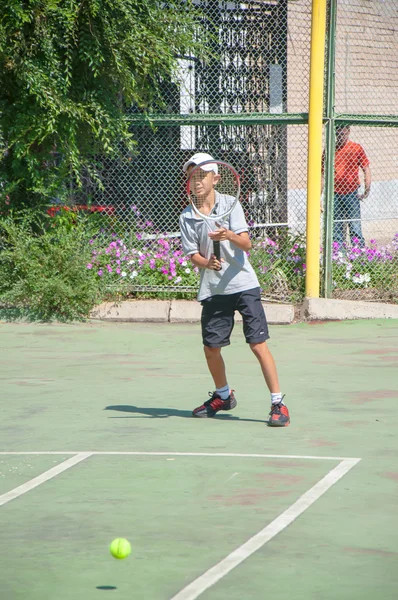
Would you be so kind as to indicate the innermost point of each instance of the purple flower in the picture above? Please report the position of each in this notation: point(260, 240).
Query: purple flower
point(89, 266)
point(99, 272)
point(164, 243)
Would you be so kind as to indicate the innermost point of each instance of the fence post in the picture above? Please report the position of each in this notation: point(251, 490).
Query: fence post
point(330, 151)
point(318, 35)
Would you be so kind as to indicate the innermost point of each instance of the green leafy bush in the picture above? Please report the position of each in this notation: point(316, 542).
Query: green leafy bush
point(43, 266)
point(68, 71)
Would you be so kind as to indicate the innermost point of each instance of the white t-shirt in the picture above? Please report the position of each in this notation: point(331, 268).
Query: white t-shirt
point(237, 274)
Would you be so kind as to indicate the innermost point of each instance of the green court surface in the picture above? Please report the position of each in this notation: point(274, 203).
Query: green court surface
point(97, 441)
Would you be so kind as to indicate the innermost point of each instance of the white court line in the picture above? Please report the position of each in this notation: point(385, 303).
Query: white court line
point(210, 577)
point(215, 454)
point(30, 485)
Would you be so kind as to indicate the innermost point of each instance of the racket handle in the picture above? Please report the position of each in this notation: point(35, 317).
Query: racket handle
point(217, 251)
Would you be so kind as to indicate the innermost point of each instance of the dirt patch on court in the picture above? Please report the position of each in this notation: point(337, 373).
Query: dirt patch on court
point(328, 362)
point(248, 498)
point(317, 443)
point(352, 424)
point(371, 551)
point(280, 478)
point(379, 352)
point(295, 464)
point(390, 359)
point(372, 396)
point(390, 475)
point(337, 341)
point(29, 383)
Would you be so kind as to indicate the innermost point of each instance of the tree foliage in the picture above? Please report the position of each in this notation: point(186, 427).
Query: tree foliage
point(68, 68)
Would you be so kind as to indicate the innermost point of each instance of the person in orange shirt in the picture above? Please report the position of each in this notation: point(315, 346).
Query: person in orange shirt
point(349, 158)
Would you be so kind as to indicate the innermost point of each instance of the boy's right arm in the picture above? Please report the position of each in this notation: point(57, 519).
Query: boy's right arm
point(203, 263)
point(190, 246)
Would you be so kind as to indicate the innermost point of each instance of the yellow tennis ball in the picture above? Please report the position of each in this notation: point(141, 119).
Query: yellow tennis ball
point(120, 548)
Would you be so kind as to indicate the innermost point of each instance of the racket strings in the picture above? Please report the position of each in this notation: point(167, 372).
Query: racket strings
point(226, 190)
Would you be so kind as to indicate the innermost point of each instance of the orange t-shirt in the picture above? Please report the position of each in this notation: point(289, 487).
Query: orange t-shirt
point(348, 159)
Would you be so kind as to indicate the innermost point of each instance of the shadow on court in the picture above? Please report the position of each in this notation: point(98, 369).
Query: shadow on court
point(163, 413)
point(106, 587)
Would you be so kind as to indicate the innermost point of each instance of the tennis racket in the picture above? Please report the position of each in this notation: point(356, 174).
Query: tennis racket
point(213, 189)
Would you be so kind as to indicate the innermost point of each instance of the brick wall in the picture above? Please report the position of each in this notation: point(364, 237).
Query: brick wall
point(366, 77)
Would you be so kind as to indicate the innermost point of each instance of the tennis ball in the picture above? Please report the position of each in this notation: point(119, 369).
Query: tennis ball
point(120, 548)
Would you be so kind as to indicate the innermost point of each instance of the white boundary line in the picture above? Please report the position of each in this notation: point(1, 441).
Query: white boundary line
point(210, 577)
point(222, 568)
point(215, 454)
point(30, 485)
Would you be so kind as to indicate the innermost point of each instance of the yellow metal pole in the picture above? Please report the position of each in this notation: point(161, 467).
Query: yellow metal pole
point(317, 64)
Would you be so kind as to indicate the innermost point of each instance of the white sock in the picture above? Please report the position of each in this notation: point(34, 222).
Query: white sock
point(223, 392)
point(276, 398)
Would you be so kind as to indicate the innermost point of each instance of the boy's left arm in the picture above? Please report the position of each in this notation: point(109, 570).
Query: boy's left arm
point(240, 240)
point(237, 233)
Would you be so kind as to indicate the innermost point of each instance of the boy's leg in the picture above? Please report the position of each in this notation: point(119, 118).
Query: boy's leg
point(268, 366)
point(216, 365)
point(255, 328)
point(217, 324)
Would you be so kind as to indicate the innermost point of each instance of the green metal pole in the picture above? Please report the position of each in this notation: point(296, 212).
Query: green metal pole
point(330, 152)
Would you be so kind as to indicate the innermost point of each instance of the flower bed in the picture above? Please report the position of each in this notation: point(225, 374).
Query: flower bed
point(279, 264)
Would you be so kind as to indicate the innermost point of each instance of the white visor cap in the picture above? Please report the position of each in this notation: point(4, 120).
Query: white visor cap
point(201, 157)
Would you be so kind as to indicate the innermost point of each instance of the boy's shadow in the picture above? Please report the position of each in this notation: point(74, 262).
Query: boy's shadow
point(162, 413)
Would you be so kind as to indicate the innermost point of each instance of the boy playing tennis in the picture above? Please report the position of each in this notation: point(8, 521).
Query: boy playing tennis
point(225, 287)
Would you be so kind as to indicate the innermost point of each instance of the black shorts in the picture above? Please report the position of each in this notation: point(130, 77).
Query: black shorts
point(218, 318)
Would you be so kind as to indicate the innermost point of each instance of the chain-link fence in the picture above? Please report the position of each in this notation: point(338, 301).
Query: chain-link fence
point(364, 205)
point(248, 106)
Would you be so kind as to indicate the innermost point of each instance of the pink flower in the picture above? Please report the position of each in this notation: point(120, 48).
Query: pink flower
point(89, 266)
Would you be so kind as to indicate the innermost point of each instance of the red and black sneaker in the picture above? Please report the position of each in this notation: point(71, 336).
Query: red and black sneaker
point(214, 404)
point(279, 415)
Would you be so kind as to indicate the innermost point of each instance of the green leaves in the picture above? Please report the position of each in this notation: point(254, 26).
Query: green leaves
point(45, 270)
point(67, 70)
